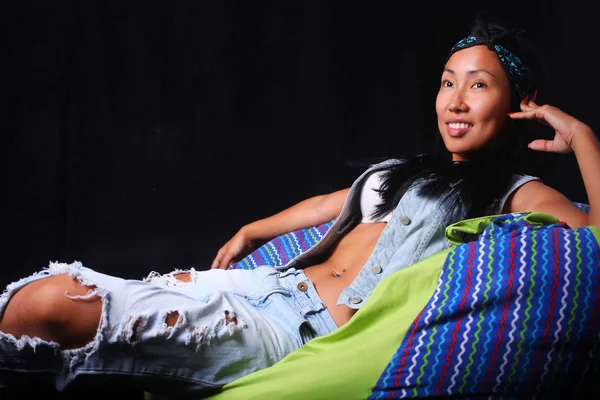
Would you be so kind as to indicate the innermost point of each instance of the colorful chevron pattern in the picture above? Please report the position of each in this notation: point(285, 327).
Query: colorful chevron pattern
point(284, 248)
point(512, 315)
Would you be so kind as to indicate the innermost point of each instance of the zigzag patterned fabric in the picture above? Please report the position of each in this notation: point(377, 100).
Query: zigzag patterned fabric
point(513, 314)
point(282, 249)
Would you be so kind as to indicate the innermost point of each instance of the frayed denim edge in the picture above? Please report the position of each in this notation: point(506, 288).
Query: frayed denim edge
point(70, 357)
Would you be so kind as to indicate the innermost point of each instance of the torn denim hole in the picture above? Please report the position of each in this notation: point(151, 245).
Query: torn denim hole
point(131, 328)
point(170, 279)
point(73, 356)
point(52, 269)
point(70, 357)
point(168, 327)
point(226, 324)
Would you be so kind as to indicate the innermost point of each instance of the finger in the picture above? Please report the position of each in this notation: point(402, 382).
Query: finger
point(226, 261)
point(542, 145)
point(527, 106)
point(525, 114)
point(218, 258)
point(532, 113)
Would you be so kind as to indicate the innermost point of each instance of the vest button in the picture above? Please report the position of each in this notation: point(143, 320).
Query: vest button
point(404, 220)
point(355, 299)
point(376, 268)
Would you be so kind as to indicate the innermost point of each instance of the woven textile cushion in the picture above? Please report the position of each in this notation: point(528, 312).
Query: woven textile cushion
point(282, 249)
point(514, 314)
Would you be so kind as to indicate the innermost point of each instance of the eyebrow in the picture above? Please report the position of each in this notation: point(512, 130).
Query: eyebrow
point(471, 72)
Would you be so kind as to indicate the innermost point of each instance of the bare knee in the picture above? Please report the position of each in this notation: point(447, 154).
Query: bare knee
point(44, 309)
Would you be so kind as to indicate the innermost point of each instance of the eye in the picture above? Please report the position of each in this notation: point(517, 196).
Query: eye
point(479, 85)
point(446, 83)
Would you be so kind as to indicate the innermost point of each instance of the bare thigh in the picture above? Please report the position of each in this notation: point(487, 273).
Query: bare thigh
point(43, 309)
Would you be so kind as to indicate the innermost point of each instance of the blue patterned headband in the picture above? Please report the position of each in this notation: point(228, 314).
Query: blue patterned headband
point(518, 73)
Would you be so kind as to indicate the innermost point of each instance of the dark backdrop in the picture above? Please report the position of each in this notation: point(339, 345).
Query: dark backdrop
point(140, 135)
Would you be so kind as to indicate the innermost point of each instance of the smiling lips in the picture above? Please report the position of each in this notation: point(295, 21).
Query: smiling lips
point(458, 129)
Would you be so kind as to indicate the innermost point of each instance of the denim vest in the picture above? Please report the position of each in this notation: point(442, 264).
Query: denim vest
point(415, 231)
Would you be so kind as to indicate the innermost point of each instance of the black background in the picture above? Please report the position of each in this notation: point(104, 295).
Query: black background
point(140, 135)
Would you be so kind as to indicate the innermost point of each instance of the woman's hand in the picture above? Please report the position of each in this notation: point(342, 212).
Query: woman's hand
point(234, 250)
point(565, 126)
point(310, 212)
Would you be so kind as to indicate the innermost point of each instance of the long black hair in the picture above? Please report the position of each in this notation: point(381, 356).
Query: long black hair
point(484, 179)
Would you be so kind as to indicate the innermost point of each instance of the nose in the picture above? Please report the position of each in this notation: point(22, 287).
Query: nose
point(457, 103)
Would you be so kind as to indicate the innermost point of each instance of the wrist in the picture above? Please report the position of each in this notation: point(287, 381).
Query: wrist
point(251, 232)
point(583, 138)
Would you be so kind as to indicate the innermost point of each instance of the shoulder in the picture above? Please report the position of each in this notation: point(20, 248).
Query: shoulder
point(501, 205)
point(518, 181)
point(529, 196)
point(535, 196)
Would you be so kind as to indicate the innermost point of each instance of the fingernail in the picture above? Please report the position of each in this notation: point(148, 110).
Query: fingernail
point(510, 113)
point(526, 99)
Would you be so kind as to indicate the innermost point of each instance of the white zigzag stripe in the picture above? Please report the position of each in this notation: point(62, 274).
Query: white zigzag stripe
point(272, 246)
point(561, 312)
point(414, 360)
point(515, 313)
point(319, 234)
point(469, 322)
point(297, 243)
point(403, 393)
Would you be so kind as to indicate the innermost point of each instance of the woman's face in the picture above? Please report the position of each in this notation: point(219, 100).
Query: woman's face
point(473, 101)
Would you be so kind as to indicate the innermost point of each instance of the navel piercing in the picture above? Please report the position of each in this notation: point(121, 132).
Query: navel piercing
point(337, 274)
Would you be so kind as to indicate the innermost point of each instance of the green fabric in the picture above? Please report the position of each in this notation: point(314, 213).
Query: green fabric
point(457, 232)
point(345, 363)
point(596, 232)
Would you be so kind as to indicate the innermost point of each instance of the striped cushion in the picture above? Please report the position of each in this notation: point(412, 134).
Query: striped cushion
point(515, 313)
point(284, 248)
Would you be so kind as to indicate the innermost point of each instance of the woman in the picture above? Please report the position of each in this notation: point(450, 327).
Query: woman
point(189, 332)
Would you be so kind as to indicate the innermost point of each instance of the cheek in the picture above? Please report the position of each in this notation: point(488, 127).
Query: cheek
point(494, 112)
point(439, 107)
point(439, 101)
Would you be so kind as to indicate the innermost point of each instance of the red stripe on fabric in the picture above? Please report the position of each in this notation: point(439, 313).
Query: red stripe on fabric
point(322, 228)
point(504, 311)
point(413, 333)
point(538, 356)
point(281, 251)
point(259, 258)
point(457, 325)
point(469, 276)
point(448, 355)
point(303, 244)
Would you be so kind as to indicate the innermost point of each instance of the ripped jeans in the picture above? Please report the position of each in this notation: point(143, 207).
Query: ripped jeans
point(228, 324)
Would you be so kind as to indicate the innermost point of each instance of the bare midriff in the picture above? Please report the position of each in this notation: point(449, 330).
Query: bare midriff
point(343, 263)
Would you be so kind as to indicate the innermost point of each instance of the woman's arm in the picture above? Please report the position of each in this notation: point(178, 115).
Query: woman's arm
point(571, 135)
point(311, 212)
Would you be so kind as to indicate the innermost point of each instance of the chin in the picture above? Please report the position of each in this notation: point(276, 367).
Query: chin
point(457, 151)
